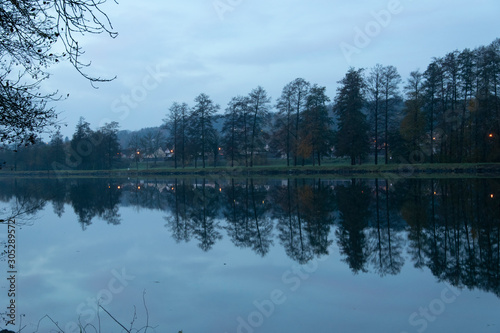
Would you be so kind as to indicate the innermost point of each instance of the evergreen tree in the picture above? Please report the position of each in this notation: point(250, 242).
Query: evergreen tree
point(82, 146)
point(317, 135)
point(57, 153)
point(109, 152)
point(352, 135)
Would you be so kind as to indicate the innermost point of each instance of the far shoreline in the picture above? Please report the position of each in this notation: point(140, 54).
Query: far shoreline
point(435, 170)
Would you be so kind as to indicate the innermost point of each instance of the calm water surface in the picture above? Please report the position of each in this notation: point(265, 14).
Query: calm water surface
point(255, 255)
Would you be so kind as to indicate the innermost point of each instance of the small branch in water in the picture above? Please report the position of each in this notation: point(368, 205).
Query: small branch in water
point(47, 316)
point(109, 314)
point(134, 317)
point(147, 312)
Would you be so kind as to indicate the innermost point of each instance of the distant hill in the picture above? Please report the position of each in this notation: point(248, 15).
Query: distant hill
point(125, 135)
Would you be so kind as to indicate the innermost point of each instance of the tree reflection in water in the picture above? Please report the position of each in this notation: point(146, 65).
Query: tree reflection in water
point(450, 226)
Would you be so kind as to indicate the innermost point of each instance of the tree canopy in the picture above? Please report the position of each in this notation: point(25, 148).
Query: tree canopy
point(32, 33)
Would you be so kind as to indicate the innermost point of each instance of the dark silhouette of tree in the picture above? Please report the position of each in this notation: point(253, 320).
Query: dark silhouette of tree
point(246, 211)
point(176, 123)
point(487, 126)
point(451, 121)
point(317, 201)
point(177, 218)
point(375, 85)
point(431, 102)
point(290, 106)
point(414, 212)
point(237, 129)
point(353, 202)
point(236, 212)
point(58, 194)
point(34, 36)
point(82, 146)
point(215, 142)
point(390, 92)
point(352, 135)
point(109, 147)
point(258, 108)
point(467, 75)
point(200, 122)
point(202, 214)
point(94, 150)
point(292, 228)
point(134, 147)
point(260, 224)
point(94, 197)
point(57, 152)
point(413, 124)
point(386, 245)
point(282, 134)
point(316, 138)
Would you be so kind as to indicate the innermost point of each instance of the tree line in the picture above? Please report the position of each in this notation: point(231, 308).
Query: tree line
point(87, 150)
point(449, 113)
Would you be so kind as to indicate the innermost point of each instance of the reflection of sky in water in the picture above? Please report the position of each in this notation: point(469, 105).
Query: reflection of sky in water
point(61, 267)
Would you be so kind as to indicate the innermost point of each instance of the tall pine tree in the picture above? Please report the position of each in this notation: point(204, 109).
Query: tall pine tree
point(352, 135)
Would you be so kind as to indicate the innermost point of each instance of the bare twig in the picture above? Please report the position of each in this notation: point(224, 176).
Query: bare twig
point(147, 312)
point(52, 320)
point(134, 317)
point(109, 314)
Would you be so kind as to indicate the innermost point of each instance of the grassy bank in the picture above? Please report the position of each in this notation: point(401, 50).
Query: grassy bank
point(364, 170)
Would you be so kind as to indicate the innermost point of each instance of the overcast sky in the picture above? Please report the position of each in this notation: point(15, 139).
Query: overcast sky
point(174, 50)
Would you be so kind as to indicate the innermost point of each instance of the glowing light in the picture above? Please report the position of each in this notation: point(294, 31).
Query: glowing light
point(138, 187)
point(119, 187)
point(490, 135)
point(171, 150)
point(138, 153)
point(492, 196)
